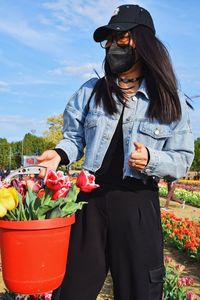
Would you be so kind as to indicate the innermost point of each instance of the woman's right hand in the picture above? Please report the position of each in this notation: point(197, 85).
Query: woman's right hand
point(49, 159)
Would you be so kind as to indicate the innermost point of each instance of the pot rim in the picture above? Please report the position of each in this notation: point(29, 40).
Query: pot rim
point(38, 224)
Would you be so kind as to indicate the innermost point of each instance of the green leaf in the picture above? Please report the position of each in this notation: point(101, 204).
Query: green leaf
point(45, 208)
point(22, 214)
point(55, 213)
point(33, 208)
point(30, 196)
point(71, 207)
point(72, 194)
point(46, 199)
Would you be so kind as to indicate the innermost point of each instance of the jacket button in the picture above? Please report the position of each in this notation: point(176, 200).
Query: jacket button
point(157, 131)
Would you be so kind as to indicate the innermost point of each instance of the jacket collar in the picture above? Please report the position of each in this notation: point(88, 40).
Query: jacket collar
point(143, 89)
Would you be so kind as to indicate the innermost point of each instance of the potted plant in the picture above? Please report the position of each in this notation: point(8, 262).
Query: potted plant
point(35, 224)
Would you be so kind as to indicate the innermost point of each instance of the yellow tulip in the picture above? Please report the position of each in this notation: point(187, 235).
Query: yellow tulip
point(3, 210)
point(8, 198)
point(14, 193)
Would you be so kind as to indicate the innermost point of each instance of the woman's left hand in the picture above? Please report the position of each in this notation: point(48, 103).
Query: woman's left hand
point(139, 157)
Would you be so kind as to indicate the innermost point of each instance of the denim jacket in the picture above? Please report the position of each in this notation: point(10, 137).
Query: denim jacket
point(88, 128)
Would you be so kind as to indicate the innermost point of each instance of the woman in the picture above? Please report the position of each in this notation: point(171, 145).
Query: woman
point(134, 128)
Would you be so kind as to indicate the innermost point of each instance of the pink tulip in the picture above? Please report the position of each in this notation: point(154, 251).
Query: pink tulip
point(86, 181)
point(179, 282)
point(189, 281)
point(34, 185)
point(185, 281)
point(168, 259)
point(191, 296)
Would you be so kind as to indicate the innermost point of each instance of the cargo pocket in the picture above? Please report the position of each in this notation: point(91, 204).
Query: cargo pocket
point(156, 278)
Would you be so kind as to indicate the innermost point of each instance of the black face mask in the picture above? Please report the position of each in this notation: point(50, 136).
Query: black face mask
point(120, 58)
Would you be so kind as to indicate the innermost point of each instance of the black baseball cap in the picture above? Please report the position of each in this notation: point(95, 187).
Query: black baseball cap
point(124, 18)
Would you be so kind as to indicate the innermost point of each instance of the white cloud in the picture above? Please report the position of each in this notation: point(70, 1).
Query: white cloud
point(39, 39)
point(85, 70)
point(77, 13)
point(11, 125)
point(43, 31)
point(18, 120)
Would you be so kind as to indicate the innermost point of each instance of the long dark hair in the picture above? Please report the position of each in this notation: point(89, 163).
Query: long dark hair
point(160, 79)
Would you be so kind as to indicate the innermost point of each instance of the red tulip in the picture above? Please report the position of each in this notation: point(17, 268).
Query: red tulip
point(60, 193)
point(41, 193)
point(86, 182)
point(55, 181)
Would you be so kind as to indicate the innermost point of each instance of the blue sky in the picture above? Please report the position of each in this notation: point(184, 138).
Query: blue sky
point(47, 51)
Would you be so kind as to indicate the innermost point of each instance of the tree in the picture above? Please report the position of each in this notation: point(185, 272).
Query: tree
point(4, 153)
point(33, 145)
point(15, 154)
point(196, 161)
point(30, 145)
point(54, 133)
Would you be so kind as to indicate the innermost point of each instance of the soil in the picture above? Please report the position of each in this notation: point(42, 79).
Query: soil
point(192, 268)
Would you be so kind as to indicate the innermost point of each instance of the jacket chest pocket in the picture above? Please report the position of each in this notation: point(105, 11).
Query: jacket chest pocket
point(92, 128)
point(93, 119)
point(91, 122)
point(155, 130)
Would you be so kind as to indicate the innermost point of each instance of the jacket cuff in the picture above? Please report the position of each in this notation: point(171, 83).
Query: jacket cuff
point(63, 156)
point(153, 162)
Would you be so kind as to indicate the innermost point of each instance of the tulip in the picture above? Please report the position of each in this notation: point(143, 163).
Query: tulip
point(180, 282)
point(168, 259)
point(3, 210)
point(34, 185)
point(9, 198)
point(5, 184)
point(20, 186)
point(55, 181)
point(180, 268)
point(189, 295)
point(86, 182)
point(41, 193)
point(20, 297)
point(60, 193)
point(189, 281)
point(13, 191)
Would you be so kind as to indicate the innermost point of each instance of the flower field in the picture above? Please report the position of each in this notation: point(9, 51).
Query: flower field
point(188, 191)
point(182, 233)
point(177, 287)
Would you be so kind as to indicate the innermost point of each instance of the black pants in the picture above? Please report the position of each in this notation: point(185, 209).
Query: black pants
point(118, 230)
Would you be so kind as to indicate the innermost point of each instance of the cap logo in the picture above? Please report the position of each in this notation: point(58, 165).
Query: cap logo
point(115, 12)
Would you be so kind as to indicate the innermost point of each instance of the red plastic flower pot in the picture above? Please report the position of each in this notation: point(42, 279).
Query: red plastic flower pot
point(34, 254)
